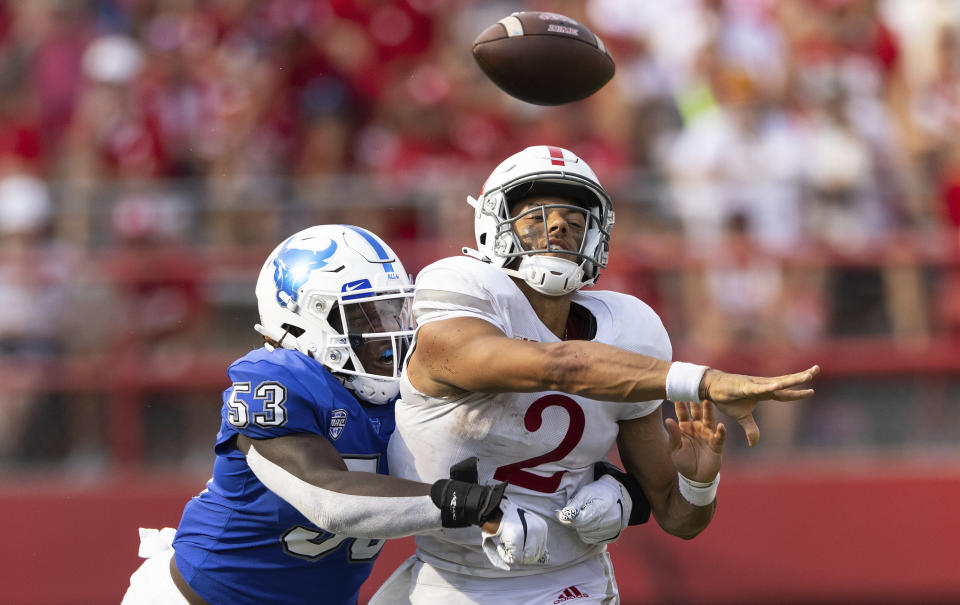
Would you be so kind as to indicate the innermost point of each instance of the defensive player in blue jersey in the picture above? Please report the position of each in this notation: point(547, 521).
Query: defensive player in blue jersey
point(299, 503)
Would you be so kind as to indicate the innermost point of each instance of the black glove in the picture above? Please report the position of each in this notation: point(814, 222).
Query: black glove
point(462, 502)
point(640, 513)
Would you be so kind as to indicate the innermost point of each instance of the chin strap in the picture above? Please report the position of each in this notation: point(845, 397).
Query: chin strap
point(475, 254)
point(550, 275)
point(547, 275)
point(518, 274)
point(278, 336)
point(372, 390)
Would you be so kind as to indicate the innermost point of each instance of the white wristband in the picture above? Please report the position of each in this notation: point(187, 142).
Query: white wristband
point(683, 381)
point(697, 492)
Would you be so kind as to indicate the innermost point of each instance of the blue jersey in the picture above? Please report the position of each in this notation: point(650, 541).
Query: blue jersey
point(240, 543)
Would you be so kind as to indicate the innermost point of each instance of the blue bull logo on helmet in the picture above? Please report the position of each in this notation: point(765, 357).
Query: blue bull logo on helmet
point(292, 268)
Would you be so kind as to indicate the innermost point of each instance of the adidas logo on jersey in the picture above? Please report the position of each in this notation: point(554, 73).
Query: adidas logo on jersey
point(570, 594)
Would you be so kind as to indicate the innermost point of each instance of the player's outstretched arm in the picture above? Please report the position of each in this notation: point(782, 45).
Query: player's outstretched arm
point(307, 471)
point(469, 354)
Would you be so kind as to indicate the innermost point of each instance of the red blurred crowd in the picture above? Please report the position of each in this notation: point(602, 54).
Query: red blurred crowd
point(801, 155)
point(844, 112)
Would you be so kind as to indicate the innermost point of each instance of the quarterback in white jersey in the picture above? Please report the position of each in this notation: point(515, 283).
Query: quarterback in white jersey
point(514, 365)
point(544, 443)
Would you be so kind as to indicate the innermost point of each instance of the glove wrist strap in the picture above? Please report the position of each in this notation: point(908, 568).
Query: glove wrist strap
point(463, 504)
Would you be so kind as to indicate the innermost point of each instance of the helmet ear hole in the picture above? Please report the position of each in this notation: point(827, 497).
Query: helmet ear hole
point(295, 331)
point(333, 318)
point(483, 239)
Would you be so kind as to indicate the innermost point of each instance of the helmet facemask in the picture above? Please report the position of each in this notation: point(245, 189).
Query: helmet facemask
point(370, 350)
point(551, 269)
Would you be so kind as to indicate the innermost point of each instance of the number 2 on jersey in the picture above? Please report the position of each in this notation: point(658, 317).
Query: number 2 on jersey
point(532, 420)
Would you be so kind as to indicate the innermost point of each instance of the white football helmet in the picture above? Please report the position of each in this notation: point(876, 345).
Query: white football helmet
point(340, 295)
point(543, 170)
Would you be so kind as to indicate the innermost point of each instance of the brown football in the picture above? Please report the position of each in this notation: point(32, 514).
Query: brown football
point(543, 58)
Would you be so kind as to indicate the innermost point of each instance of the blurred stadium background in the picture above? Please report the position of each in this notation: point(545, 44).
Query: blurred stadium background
point(786, 177)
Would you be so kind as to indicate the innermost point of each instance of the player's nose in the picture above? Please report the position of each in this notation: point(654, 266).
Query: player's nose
point(557, 221)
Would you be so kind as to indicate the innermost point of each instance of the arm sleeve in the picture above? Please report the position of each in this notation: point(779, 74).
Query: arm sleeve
point(355, 516)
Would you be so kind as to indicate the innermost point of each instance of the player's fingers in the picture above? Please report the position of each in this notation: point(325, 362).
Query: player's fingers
point(792, 394)
point(506, 553)
point(567, 515)
point(779, 391)
point(708, 418)
point(673, 434)
point(791, 380)
point(763, 388)
point(719, 438)
point(570, 512)
point(683, 411)
point(750, 428)
point(696, 411)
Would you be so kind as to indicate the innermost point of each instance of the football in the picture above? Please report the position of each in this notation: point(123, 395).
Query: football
point(543, 58)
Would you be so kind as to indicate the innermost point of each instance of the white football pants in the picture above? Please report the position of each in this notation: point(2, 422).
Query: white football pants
point(152, 583)
point(586, 583)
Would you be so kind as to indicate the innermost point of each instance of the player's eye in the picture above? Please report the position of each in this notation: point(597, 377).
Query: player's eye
point(386, 356)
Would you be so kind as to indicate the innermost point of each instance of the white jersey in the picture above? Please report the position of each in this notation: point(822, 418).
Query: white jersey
point(544, 444)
